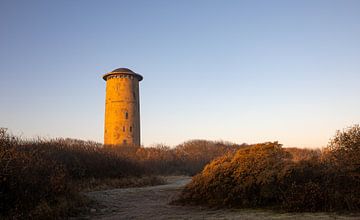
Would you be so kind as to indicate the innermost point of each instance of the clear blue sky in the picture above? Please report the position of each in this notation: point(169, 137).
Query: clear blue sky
point(241, 71)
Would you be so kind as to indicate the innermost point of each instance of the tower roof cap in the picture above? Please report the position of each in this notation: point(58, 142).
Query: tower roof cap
point(124, 71)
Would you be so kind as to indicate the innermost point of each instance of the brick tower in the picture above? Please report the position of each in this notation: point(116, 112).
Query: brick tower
point(122, 108)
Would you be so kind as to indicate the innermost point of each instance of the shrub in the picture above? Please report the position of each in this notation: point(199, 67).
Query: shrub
point(41, 178)
point(195, 154)
point(344, 150)
point(300, 154)
point(266, 175)
point(29, 182)
point(246, 179)
point(36, 177)
point(187, 158)
point(343, 158)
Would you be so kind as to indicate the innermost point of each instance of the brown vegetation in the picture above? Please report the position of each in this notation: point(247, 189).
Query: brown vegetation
point(267, 175)
point(300, 154)
point(188, 158)
point(36, 177)
point(96, 184)
point(42, 178)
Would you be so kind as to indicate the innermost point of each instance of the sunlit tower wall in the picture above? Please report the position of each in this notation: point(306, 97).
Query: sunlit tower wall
point(122, 108)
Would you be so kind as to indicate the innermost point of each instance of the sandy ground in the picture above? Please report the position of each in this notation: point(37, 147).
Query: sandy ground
point(153, 203)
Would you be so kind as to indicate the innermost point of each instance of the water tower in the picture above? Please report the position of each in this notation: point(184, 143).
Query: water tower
point(122, 108)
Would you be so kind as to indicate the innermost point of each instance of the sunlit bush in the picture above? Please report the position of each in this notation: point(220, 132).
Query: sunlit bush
point(267, 175)
point(247, 178)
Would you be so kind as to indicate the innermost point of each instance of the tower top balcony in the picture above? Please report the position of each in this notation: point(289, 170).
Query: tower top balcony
point(123, 71)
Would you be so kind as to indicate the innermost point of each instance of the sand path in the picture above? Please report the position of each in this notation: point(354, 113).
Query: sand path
point(153, 203)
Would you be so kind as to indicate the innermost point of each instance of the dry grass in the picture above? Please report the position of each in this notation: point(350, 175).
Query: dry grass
point(111, 183)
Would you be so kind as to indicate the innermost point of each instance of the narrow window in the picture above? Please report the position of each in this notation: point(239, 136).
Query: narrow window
point(130, 128)
point(126, 115)
point(123, 128)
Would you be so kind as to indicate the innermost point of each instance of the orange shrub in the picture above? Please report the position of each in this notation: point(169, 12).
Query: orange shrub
point(246, 179)
point(266, 175)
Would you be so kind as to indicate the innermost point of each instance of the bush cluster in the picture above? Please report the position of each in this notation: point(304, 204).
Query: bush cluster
point(36, 177)
point(41, 178)
point(267, 175)
point(188, 158)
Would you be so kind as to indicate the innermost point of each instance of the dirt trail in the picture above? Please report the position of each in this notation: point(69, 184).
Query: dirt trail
point(153, 203)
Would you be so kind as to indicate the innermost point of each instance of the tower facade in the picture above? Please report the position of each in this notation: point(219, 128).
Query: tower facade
point(122, 108)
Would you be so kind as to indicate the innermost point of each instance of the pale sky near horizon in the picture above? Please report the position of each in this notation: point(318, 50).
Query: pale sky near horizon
point(239, 71)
